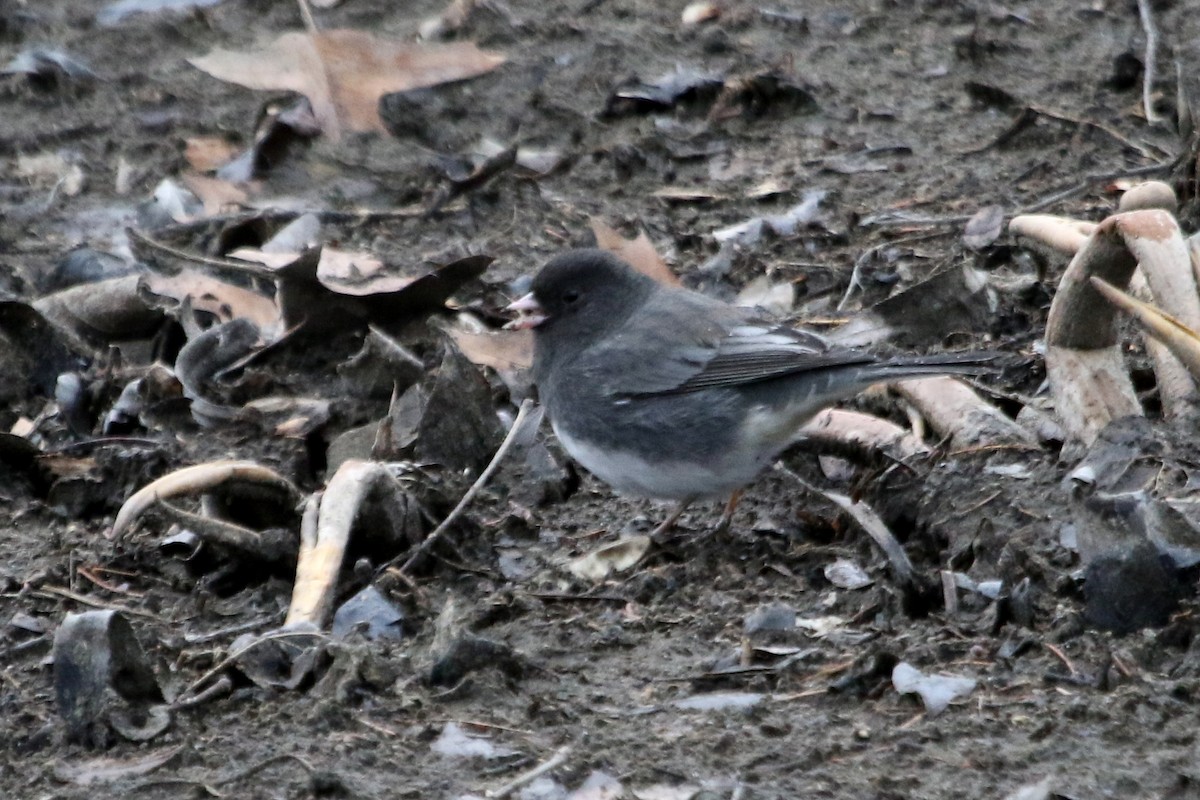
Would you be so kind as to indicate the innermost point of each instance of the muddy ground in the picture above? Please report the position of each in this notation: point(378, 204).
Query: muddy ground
point(889, 107)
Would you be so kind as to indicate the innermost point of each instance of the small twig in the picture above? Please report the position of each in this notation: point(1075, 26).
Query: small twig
point(566, 597)
point(949, 593)
point(232, 630)
point(60, 591)
point(257, 270)
point(378, 727)
point(310, 24)
point(1085, 184)
point(971, 509)
point(193, 688)
point(42, 640)
point(524, 415)
point(260, 766)
point(525, 778)
point(1113, 134)
point(90, 574)
point(1061, 656)
point(1148, 66)
point(869, 521)
point(102, 441)
point(219, 688)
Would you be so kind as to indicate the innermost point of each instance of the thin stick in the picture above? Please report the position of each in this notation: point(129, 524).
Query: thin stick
point(59, 591)
point(310, 24)
point(524, 417)
point(256, 270)
point(558, 759)
point(1144, 12)
point(191, 691)
point(1061, 656)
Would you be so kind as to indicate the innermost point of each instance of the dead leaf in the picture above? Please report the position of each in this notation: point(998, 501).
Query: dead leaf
point(639, 252)
point(776, 298)
point(771, 187)
point(207, 153)
point(503, 351)
point(51, 168)
point(349, 272)
point(614, 557)
point(984, 227)
point(223, 300)
point(105, 769)
point(345, 72)
point(216, 194)
point(274, 260)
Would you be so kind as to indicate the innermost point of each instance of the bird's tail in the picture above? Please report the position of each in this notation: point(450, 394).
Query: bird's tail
point(899, 367)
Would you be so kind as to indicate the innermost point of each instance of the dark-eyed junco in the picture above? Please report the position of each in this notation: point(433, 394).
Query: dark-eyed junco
point(666, 393)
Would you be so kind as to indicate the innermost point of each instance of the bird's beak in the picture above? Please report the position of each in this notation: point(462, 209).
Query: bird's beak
point(531, 313)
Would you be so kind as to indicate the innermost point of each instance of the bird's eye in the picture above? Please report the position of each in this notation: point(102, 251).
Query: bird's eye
point(570, 296)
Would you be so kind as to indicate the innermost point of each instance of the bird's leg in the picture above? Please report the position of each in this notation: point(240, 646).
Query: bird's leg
point(727, 515)
point(671, 519)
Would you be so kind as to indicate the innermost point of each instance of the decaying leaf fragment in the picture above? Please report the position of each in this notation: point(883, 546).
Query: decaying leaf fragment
point(617, 556)
point(1084, 358)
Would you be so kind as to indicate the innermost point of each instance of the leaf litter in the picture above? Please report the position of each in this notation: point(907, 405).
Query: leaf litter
point(128, 370)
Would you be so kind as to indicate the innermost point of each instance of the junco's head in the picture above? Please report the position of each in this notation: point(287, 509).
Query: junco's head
point(585, 293)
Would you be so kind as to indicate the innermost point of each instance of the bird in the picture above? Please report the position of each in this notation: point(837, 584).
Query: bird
point(666, 393)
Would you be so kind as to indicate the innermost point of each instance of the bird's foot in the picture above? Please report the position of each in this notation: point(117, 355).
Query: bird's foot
point(659, 534)
point(726, 520)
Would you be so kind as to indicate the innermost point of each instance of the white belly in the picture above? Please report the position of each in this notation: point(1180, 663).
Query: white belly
point(669, 480)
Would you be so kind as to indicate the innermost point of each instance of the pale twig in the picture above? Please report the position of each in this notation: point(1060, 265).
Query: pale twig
point(1145, 13)
point(525, 778)
point(526, 418)
point(194, 688)
point(310, 24)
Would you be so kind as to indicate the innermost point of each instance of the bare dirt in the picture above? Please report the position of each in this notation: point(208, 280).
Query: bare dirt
point(890, 107)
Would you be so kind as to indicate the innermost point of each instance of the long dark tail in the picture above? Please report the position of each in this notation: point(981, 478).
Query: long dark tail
point(849, 380)
point(968, 363)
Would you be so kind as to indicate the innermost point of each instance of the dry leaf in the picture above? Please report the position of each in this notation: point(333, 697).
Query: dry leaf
point(52, 168)
point(776, 298)
point(107, 769)
point(984, 227)
point(617, 556)
point(639, 252)
point(223, 300)
point(503, 351)
point(216, 194)
point(450, 21)
point(345, 72)
point(207, 153)
point(267, 259)
point(361, 274)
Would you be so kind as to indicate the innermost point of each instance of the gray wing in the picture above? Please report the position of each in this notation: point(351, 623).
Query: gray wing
point(673, 347)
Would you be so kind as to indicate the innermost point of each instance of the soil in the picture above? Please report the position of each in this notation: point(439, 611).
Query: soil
point(903, 113)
